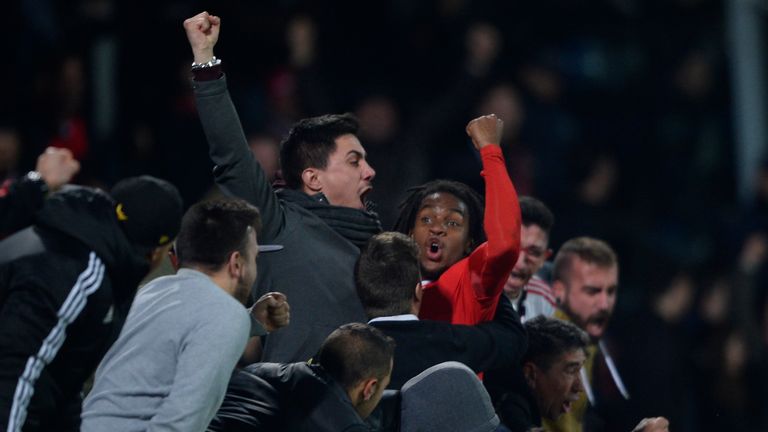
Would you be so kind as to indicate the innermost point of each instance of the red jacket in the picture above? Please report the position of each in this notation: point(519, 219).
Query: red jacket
point(469, 290)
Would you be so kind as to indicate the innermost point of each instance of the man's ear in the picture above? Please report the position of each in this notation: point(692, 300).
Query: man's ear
point(156, 256)
point(311, 179)
point(529, 372)
point(235, 264)
point(418, 294)
point(558, 289)
point(370, 386)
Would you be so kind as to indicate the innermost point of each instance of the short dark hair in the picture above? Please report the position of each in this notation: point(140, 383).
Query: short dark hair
point(410, 207)
point(212, 230)
point(549, 338)
point(588, 249)
point(535, 212)
point(354, 352)
point(309, 143)
point(386, 274)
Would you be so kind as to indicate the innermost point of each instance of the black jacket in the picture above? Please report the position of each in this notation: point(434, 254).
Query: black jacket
point(293, 397)
point(422, 344)
point(513, 399)
point(66, 285)
point(18, 203)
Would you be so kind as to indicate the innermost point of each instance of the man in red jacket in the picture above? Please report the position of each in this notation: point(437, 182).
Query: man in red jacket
point(466, 274)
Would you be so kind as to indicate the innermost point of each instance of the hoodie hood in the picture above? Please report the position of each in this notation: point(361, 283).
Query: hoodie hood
point(88, 215)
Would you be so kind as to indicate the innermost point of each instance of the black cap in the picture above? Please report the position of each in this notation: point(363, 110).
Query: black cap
point(149, 210)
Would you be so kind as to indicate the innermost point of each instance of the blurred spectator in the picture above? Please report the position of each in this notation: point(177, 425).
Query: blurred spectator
point(10, 153)
point(266, 150)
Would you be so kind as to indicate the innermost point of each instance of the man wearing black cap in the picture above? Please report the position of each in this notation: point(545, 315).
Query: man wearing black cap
point(66, 285)
point(170, 366)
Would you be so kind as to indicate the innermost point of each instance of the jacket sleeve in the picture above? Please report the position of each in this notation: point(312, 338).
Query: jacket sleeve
point(494, 344)
point(236, 170)
point(491, 262)
point(251, 403)
point(19, 201)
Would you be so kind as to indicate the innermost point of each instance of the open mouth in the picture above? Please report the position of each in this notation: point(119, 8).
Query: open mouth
point(567, 405)
point(434, 251)
point(364, 196)
point(522, 275)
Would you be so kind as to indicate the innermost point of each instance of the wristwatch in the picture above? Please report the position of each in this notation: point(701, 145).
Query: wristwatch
point(36, 178)
point(210, 63)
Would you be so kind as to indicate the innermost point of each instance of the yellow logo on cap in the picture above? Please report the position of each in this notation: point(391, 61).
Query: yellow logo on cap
point(164, 239)
point(120, 213)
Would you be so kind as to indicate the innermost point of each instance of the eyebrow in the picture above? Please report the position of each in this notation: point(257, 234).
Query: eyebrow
point(455, 210)
point(356, 153)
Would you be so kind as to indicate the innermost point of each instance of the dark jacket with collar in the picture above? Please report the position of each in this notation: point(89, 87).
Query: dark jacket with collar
point(294, 397)
point(315, 270)
point(66, 285)
point(423, 343)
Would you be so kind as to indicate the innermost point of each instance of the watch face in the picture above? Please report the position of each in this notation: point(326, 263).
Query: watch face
point(34, 176)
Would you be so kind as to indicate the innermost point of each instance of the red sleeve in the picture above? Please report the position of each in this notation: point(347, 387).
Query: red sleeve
point(491, 262)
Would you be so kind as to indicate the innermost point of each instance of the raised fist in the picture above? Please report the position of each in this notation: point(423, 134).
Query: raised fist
point(202, 34)
point(485, 130)
point(57, 167)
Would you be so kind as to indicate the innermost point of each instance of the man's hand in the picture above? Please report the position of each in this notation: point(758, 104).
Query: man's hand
point(202, 33)
point(57, 167)
point(655, 424)
point(272, 311)
point(485, 130)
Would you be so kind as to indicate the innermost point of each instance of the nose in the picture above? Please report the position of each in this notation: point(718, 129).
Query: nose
point(603, 301)
point(578, 386)
point(436, 228)
point(368, 172)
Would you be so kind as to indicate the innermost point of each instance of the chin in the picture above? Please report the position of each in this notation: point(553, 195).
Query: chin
point(431, 272)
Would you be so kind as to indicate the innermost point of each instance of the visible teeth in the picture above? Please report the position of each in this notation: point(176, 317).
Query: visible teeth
point(433, 247)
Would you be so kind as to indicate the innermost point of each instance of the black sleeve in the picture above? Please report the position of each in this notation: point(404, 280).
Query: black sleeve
point(19, 202)
point(494, 344)
point(250, 404)
point(236, 171)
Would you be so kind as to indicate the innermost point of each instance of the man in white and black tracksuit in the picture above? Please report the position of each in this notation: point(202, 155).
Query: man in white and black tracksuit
point(66, 285)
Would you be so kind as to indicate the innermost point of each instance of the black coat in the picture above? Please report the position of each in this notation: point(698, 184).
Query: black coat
point(422, 344)
point(294, 397)
point(66, 285)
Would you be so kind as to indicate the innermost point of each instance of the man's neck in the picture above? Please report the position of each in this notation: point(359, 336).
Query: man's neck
point(220, 278)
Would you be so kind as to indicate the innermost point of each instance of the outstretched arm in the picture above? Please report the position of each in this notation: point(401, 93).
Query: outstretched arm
point(492, 261)
point(493, 344)
point(236, 171)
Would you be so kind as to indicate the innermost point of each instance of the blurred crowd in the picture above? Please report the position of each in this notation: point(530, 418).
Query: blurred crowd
point(617, 114)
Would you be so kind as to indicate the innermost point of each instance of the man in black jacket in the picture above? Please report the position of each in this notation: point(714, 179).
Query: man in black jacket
point(336, 392)
point(66, 285)
point(389, 285)
point(320, 217)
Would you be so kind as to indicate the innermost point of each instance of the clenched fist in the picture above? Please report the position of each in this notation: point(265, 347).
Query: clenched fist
point(57, 167)
point(485, 130)
point(272, 311)
point(202, 34)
